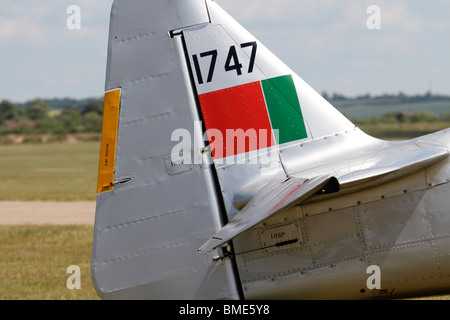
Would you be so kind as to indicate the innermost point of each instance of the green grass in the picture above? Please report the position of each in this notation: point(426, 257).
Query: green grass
point(400, 131)
point(364, 109)
point(34, 261)
point(49, 171)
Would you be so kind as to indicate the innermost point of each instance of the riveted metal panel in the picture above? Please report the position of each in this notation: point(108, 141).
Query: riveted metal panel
point(443, 257)
point(333, 245)
point(341, 281)
point(397, 220)
point(148, 230)
point(405, 262)
point(437, 210)
point(317, 246)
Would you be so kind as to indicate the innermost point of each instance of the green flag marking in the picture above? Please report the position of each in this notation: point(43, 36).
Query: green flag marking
point(284, 108)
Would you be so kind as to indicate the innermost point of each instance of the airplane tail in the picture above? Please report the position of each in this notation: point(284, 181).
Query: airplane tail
point(253, 107)
point(199, 116)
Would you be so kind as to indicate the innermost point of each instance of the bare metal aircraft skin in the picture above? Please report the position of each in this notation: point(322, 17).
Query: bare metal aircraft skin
point(223, 175)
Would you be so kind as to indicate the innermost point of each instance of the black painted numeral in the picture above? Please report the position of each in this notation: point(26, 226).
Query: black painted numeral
point(213, 54)
point(232, 55)
point(231, 63)
point(253, 54)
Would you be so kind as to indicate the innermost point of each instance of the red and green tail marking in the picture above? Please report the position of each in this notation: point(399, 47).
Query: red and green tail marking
point(260, 106)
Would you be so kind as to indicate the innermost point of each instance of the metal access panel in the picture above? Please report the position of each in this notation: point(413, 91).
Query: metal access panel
point(156, 212)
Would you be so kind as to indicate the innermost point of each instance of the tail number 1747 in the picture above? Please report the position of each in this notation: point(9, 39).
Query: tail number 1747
point(232, 62)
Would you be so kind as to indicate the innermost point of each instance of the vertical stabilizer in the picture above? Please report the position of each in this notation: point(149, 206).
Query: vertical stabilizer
point(152, 213)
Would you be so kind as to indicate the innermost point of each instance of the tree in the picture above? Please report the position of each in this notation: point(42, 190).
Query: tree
point(92, 122)
point(338, 96)
point(325, 95)
point(46, 125)
point(445, 116)
point(96, 106)
point(9, 111)
point(69, 119)
point(37, 110)
point(424, 116)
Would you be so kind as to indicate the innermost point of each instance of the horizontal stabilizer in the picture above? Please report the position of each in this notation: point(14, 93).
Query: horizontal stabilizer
point(393, 163)
point(276, 196)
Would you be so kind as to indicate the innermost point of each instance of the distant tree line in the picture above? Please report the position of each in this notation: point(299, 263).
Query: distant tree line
point(383, 98)
point(38, 116)
point(406, 117)
point(64, 116)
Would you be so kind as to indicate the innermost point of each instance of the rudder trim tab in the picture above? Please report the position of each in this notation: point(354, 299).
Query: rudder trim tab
point(108, 141)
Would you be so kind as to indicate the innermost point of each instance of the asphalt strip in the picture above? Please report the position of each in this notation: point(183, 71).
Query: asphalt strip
point(47, 212)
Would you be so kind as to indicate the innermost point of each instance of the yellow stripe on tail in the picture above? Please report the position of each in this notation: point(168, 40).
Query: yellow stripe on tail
point(108, 141)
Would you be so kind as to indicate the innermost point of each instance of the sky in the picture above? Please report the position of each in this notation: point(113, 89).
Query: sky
point(351, 47)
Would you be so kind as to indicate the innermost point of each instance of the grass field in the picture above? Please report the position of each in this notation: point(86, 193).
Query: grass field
point(34, 261)
point(49, 171)
point(401, 131)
